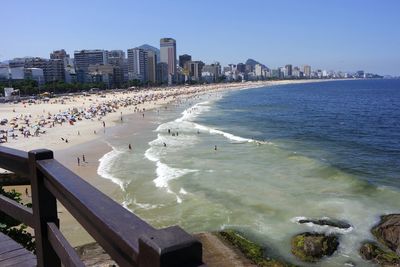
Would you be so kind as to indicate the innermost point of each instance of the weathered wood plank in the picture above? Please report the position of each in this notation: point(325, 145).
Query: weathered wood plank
point(107, 221)
point(14, 160)
point(66, 253)
point(13, 254)
point(16, 210)
point(26, 260)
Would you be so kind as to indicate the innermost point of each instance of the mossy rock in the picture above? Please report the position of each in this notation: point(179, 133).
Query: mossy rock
point(311, 247)
point(251, 250)
point(372, 252)
point(387, 232)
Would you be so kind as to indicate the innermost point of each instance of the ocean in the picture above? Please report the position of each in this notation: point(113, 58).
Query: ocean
point(258, 160)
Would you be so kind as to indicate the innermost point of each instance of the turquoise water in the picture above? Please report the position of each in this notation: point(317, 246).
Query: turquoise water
point(284, 152)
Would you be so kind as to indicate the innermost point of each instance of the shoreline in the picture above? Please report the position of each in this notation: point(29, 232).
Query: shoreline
point(95, 147)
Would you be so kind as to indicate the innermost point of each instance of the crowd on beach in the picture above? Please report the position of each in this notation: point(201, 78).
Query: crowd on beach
point(85, 106)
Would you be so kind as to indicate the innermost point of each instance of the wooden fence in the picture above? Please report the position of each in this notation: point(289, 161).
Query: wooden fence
point(129, 240)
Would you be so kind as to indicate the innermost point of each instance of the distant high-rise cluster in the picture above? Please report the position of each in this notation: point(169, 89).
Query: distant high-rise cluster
point(149, 65)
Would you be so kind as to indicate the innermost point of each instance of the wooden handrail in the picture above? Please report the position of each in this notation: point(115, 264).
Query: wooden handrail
point(14, 160)
point(129, 240)
point(103, 218)
point(67, 255)
point(16, 210)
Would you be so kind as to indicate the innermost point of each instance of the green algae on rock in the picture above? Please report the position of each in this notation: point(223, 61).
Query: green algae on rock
point(387, 231)
point(372, 252)
point(251, 250)
point(311, 247)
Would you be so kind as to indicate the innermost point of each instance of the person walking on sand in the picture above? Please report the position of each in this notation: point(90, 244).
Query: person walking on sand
point(104, 124)
point(79, 161)
point(83, 158)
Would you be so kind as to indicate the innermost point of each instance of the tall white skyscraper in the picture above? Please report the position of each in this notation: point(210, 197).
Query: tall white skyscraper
point(137, 64)
point(168, 54)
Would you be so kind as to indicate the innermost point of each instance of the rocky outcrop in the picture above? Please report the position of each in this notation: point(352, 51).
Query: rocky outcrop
point(310, 247)
point(372, 252)
point(387, 232)
point(94, 255)
point(327, 222)
point(251, 250)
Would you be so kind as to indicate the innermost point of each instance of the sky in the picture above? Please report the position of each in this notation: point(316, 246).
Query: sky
point(347, 35)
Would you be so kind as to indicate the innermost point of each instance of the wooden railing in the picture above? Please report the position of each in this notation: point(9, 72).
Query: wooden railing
point(129, 240)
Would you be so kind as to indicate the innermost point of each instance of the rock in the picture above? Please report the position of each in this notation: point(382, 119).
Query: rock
point(93, 255)
point(252, 251)
point(388, 231)
point(372, 252)
point(328, 222)
point(311, 247)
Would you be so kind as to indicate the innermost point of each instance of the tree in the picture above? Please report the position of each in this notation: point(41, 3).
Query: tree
point(13, 228)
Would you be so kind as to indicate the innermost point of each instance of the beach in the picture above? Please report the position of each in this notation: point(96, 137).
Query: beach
point(71, 140)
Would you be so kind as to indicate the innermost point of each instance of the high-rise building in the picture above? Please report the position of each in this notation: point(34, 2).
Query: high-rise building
point(54, 71)
point(17, 62)
point(59, 54)
point(162, 72)
point(307, 71)
point(85, 58)
point(116, 58)
point(137, 64)
point(214, 69)
point(241, 67)
point(183, 59)
point(151, 66)
point(195, 69)
point(288, 70)
point(258, 70)
point(168, 54)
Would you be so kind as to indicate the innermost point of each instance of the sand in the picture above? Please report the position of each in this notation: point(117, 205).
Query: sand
point(90, 141)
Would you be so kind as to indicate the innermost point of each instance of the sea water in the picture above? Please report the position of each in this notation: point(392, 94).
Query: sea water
point(258, 160)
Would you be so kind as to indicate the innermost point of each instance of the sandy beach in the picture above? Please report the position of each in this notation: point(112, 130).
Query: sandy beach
point(77, 125)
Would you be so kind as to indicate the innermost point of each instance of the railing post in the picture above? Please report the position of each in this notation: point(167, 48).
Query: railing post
point(44, 207)
point(169, 247)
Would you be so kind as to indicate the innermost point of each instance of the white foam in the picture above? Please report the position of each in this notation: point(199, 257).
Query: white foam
point(164, 172)
point(192, 112)
point(182, 191)
point(105, 166)
point(186, 128)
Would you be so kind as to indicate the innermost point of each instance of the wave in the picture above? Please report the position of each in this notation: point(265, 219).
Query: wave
point(105, 167)
point(164, 172)
point(180, 134)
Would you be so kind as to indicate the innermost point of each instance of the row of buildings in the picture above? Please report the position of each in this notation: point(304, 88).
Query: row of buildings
point(146, 65)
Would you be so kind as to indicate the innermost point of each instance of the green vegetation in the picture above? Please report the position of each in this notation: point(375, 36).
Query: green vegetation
point(310, 247)
point(13, 228)
point(371, 251)
point(251, 250)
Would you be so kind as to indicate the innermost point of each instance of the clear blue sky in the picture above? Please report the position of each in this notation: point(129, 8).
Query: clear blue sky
point(340, 35)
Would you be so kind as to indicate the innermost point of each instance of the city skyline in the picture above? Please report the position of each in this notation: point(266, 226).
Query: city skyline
point(345, 36)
